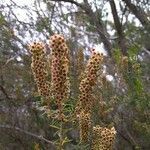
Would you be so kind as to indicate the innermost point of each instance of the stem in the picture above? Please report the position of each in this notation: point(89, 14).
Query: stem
point(40, 137)
point(61, 136)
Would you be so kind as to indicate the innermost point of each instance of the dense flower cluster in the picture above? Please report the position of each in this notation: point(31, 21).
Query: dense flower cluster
point(59, 69)
point(87, 83)
point(39, 68)
point(84, 106)
point(84, 125)
point(103, 138)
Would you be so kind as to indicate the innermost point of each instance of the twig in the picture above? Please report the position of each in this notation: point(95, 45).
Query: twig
point(61, 136)
point(146, 51)
point(40, 137)
point(4, 92)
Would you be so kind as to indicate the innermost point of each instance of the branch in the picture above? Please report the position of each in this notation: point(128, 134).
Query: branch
point(125, 138)
point(124, 133)
point(72, 2)
point(138, 12)
point(119, 29)
point(28, 133)
point(146, 51)
point(4, 92)
point(95, 21)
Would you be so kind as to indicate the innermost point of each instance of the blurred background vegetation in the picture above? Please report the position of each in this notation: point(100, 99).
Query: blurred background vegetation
point(118, 28)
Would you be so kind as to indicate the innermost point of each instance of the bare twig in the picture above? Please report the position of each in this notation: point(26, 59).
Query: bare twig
point(4, 92)
point(40, 137)
point(146, 51)
point(72, 2)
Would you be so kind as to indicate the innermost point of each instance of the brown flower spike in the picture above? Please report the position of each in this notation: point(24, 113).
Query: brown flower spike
point(87, 83)
point(85, 103)
point(59, 69)
point(38, 67)
point(84, 125)
point(103, 138)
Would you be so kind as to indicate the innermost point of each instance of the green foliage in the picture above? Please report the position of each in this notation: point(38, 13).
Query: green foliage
point(41, 24)
point(133, 52)
point(117, 55)
point(2, 19)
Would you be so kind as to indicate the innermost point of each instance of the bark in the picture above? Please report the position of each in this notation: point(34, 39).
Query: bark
point(138, 12)
point(121, 38)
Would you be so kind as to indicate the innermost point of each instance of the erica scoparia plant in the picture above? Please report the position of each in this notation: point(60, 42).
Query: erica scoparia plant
point(58, 88)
